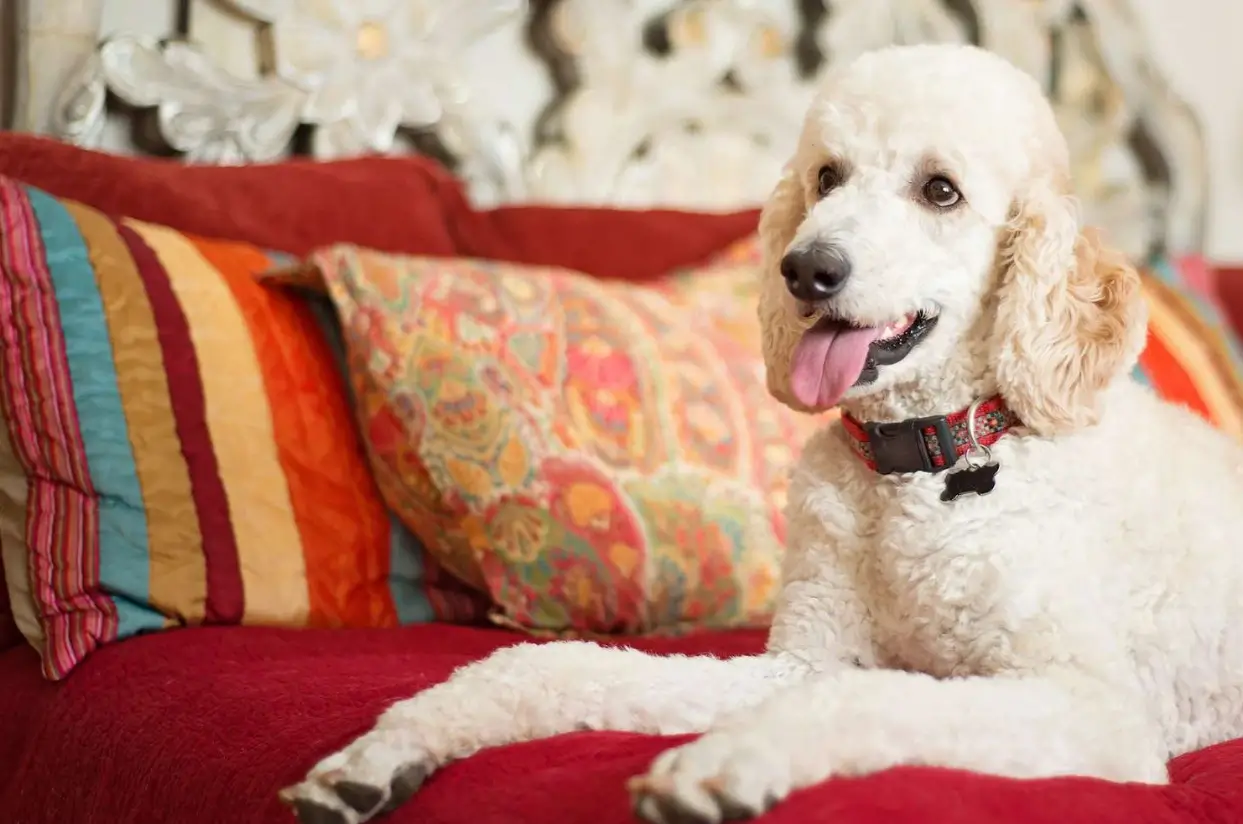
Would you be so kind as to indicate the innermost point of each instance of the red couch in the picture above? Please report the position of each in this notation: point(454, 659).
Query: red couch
point(204, 725)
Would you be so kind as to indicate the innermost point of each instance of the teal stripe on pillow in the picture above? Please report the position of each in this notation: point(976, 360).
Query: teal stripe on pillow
point(405, 575)
point(124, 569)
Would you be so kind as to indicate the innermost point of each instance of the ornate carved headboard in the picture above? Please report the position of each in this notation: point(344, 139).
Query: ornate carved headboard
point(683, 103)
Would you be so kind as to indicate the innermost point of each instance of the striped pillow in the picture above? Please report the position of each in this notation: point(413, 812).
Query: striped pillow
point(180, 448)
point(1192, 357)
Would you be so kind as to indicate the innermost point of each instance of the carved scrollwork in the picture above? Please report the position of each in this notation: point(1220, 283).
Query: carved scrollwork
point(703, 117)
point(78, 112)
point(852, 27)
point(370, 66)
point(355, 71)
point(662, 103)
point(1164, 137)
point(203, 111)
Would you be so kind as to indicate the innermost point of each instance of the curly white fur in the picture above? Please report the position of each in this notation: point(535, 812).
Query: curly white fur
point(1084, 618)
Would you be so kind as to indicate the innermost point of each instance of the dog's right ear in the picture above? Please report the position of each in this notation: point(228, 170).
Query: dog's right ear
point(780, 331)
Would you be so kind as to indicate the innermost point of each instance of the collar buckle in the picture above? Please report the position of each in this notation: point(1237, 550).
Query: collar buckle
point(912, 445)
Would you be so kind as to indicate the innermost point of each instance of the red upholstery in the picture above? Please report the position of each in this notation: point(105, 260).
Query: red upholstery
point(202, 726)
point(8, 630)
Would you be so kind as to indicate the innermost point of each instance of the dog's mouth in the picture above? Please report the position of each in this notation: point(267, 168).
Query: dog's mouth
point(836, 354)
point(895, 342)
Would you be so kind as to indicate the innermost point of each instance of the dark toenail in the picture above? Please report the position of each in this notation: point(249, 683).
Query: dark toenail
point(309, 812)
point(673, 811)
point(405, 784)
point(362, 798)
point(731, 809)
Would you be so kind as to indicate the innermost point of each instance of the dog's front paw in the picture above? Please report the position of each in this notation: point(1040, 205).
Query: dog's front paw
point(725, 775)
point(372, 776)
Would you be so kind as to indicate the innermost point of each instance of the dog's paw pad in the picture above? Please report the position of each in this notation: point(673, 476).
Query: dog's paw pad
point(352, 788)
point(719, 777)
point(669, 809)
point(359, 797)
point(312, 812)
point(405, 784)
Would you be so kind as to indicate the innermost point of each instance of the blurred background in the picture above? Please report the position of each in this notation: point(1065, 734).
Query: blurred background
point(691, 103)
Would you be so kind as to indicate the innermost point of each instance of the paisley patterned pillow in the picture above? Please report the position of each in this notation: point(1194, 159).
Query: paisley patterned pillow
point(593, 457)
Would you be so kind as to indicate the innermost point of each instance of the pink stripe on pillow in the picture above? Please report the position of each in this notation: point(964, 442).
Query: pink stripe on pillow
point(43, 427)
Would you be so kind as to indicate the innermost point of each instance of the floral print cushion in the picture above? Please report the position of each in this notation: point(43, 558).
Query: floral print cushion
point(592, 457)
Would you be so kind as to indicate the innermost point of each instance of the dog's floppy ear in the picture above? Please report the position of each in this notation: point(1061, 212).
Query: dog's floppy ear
point(783, 212)
point(1070, 314)
point(779, 220)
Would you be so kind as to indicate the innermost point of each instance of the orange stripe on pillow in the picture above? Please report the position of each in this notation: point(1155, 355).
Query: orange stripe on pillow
point(178, 574)
point(1185, 340)
point(342, 521)
point(1168, 378)
point(1216, 374)
point(239, 418)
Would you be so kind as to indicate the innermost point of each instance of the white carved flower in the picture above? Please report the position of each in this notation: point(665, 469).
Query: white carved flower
point(625, 132)
point(370, 66)
point(855, 26)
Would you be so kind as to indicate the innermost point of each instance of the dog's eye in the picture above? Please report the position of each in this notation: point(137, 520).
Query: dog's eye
point(941, 193)
point(829, 179)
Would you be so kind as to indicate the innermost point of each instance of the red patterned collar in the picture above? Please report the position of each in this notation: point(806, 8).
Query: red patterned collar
point(921, 444)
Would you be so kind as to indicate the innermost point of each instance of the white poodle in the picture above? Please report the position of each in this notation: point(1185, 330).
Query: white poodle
point(1066, 598)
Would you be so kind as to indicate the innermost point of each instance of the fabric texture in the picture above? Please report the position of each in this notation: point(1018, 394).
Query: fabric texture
point(596, 457)
point(178, 445)
point(399, 204)
point(1193, 355)
point(402, 204)
point(204, 726)
point(9, 634)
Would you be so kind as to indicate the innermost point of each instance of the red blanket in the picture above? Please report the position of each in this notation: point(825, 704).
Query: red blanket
point(203, 726)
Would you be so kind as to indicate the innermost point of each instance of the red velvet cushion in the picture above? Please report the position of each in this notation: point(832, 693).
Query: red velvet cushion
point(204, 725)
point(395, 204)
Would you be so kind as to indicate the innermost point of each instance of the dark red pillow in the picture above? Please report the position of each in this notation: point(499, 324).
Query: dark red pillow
point(401, 204)
point(291, 206)
point(1228, 288)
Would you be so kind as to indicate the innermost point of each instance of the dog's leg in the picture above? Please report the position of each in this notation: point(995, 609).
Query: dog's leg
point(525, 692)
point(862, 721)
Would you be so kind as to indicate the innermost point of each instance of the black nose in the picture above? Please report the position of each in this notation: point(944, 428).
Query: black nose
point(816, 272)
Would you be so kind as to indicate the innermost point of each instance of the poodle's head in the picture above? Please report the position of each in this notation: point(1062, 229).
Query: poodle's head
point(922, 250)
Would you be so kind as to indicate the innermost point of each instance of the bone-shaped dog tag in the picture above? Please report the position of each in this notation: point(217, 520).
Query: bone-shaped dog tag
point(976, 471)
point(979, 479)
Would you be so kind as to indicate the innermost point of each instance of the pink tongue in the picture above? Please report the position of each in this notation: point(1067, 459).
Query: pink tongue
point(827, 362)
